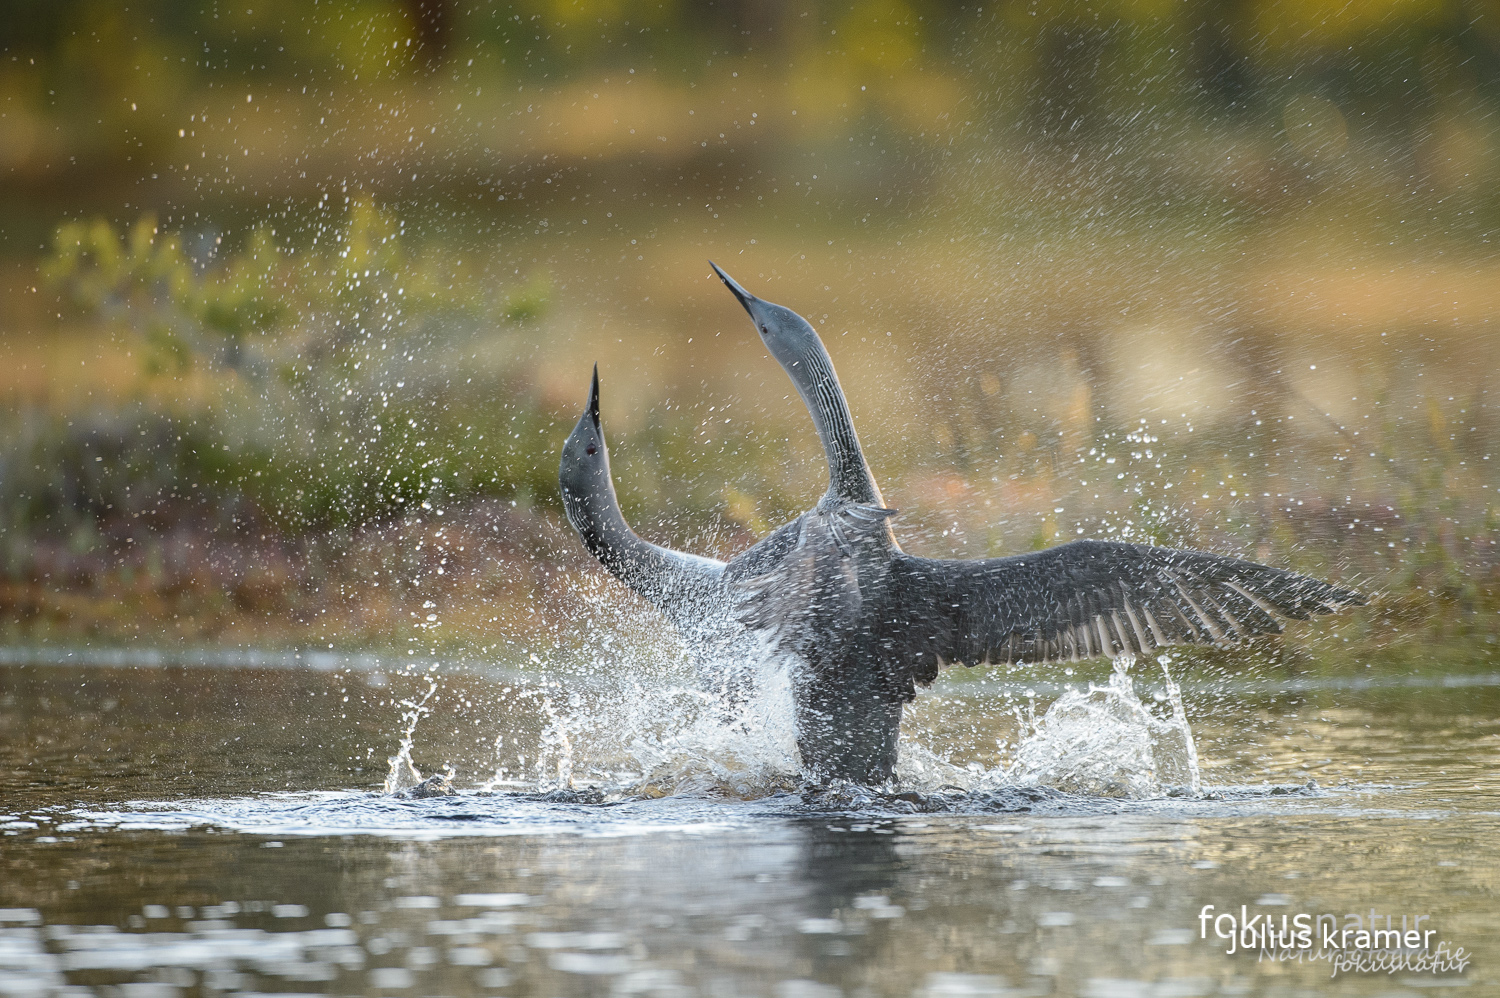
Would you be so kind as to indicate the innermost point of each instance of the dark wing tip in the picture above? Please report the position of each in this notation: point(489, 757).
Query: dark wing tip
point(1343, 597)
point(1350, 596)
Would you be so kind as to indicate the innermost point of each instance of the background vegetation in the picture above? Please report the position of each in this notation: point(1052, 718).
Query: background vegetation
point(297, 302)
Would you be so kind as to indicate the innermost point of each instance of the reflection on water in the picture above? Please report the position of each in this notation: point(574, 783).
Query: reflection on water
point(161, 836)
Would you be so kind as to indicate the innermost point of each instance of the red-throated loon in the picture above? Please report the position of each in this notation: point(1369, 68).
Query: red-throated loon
point(866, 623)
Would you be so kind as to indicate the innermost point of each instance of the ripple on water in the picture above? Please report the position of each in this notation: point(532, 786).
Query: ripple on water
point(706, 768)
point(961, 879)
point(590, 812)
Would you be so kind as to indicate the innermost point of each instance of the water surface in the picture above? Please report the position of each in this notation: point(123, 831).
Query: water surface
point(187, 831)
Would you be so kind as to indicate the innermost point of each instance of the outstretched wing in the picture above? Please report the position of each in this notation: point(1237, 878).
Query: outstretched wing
point(1086, 599)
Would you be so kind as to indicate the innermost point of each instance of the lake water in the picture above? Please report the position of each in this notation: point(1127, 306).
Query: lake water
point(220, 830)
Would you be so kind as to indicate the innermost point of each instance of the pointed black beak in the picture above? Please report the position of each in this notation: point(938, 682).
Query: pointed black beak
point(745, 297)
point(593, 409)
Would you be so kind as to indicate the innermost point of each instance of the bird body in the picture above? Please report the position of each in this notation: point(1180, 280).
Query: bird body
point(866, 623)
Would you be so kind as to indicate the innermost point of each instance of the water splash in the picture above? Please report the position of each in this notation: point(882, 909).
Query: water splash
point(1177, 753)
point(656, 736)
point(555, 757)
point(403, 772)
point(743, 748)
point(621, 706)
point(647, 729)
point(1106, 743)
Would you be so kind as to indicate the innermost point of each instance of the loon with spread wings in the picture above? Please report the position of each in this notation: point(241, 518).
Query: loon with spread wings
point(867, 623)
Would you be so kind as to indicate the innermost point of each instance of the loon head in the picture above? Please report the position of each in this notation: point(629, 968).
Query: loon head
point(584, 470)
point(786, 334)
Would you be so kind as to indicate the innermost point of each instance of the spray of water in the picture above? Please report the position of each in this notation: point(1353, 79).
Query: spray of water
point(403, 771)
point(1105, 742)
point(626, 710)
point(743, 749)
point(655, 736)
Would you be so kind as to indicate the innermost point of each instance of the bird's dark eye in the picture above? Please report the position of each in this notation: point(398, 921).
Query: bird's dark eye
point(591, 449)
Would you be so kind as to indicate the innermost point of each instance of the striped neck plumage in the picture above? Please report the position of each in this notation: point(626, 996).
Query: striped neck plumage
point(849, 476)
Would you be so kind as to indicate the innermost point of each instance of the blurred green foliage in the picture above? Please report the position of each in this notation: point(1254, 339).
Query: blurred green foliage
point(146, 275)
point(233, 109)
point(339, 244)
point(299, 411)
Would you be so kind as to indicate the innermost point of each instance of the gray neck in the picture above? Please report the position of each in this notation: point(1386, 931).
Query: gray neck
point(595, 514)
point(668, 579)
point(849, 476)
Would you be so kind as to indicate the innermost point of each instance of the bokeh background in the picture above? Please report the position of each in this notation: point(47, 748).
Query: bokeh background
point(299, 300)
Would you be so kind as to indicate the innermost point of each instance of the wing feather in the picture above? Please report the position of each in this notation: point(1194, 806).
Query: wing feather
point(1141, 641)
point(1087, 599)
